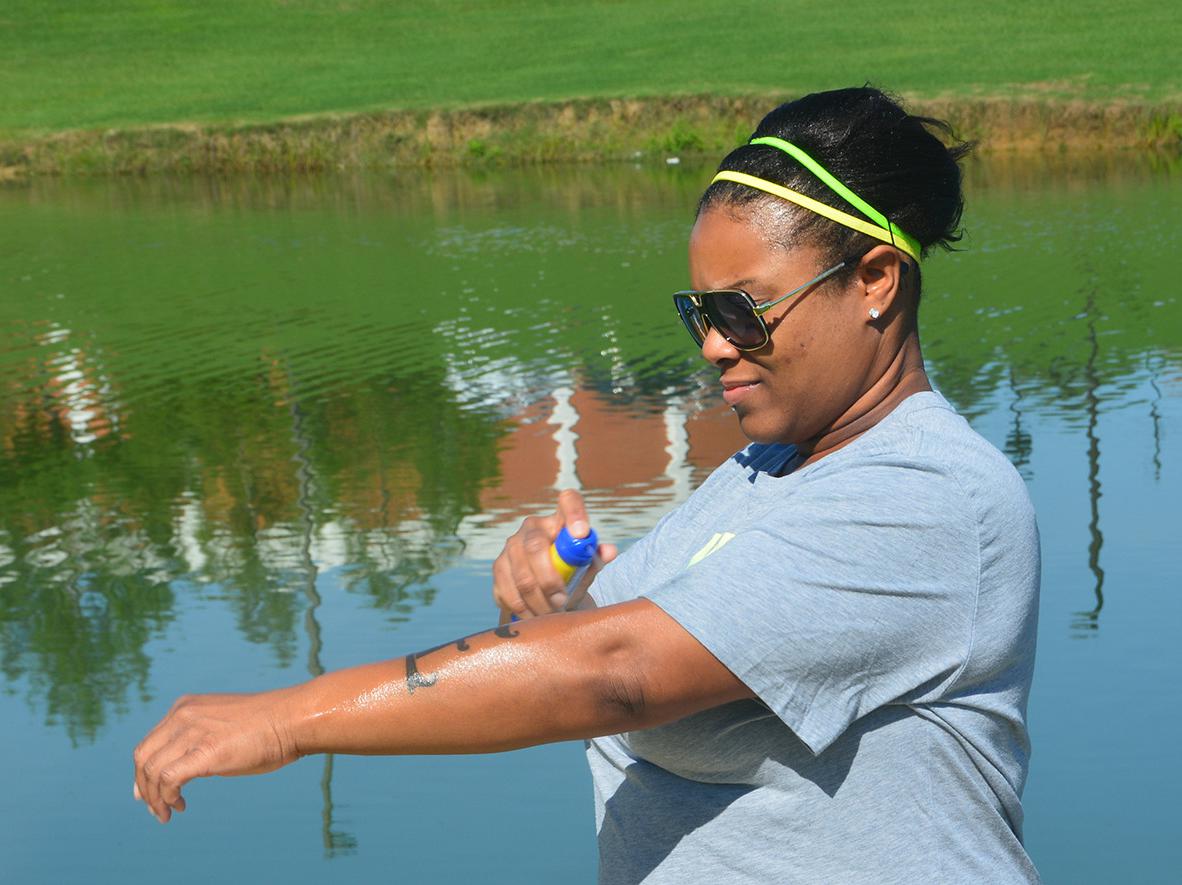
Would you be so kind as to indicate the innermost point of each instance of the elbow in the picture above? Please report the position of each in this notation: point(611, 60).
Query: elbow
point(619, 690)
point(637, 668)
point(620, 699)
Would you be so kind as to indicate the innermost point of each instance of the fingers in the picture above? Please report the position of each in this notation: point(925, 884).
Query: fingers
point(143, 754)
point(158, 780)
point(173, 774)
point(524, 579)
point(159, 784)
point(608, 552)
point(530, 568)
point(505, 593)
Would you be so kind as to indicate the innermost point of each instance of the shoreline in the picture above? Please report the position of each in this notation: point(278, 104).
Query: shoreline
point(576, 131)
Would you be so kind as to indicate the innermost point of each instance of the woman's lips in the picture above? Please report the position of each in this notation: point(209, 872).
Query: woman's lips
point(734, 392)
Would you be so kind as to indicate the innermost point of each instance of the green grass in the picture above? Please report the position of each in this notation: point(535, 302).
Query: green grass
point(68, 65)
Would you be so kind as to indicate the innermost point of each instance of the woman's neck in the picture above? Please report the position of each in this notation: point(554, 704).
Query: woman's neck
point(903, 376)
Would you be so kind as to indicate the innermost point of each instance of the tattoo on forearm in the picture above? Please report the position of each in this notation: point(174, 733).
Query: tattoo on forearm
point(415, 678)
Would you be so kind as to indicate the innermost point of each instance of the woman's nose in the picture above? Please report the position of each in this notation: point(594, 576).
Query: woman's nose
point(716, 349)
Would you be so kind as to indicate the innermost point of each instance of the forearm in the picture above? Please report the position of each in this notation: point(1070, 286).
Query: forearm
point(547, 679)
point(575, 675)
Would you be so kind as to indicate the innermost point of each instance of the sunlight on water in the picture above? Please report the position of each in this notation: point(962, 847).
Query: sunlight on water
point(253, 430)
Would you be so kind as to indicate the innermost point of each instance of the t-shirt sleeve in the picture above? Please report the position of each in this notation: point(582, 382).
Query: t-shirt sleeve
point(621, 579)
point(855, 591)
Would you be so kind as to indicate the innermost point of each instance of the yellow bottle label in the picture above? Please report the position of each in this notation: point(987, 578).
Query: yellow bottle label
point(565, 570)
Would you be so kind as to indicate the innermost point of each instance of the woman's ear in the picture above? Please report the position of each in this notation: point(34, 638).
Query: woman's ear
point(882, 273)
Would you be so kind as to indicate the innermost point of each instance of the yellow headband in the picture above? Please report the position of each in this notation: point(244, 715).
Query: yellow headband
point(884, 230)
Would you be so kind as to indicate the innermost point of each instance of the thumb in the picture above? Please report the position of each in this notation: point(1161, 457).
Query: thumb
point(608, 552)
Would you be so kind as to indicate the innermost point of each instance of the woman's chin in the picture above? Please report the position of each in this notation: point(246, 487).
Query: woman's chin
point(761, 432)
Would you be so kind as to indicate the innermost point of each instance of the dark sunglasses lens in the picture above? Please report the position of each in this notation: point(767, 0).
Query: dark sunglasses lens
point(732, 315)
point(691, 317)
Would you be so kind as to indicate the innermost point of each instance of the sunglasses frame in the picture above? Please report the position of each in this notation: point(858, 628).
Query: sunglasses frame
point(695, 299)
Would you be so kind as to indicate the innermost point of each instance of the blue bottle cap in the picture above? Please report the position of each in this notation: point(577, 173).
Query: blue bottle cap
point(576, 551)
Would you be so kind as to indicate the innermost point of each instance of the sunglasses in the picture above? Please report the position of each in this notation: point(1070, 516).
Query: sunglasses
point(734, 313)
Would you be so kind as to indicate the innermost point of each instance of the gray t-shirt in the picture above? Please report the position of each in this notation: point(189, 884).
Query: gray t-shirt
point(881, 603)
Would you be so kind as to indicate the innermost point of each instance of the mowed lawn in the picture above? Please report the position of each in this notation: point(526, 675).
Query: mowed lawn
point(66, 64)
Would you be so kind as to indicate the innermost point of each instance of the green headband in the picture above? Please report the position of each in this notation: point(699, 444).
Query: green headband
point(883, 230)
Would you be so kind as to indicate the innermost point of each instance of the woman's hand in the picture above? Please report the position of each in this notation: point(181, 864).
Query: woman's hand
point(213, 734)
point(524, 580)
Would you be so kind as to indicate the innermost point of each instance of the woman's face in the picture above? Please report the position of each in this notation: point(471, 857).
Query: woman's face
point(822, 351)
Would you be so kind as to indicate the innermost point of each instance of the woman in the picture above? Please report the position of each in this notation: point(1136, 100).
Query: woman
point(816, 668)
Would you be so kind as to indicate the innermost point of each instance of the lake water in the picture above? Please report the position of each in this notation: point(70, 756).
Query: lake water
point(251, 430)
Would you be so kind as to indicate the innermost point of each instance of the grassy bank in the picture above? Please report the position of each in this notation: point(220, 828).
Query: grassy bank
point(580, 131)
point(138, 85)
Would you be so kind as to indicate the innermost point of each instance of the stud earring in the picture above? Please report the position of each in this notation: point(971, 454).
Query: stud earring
point(874, 313)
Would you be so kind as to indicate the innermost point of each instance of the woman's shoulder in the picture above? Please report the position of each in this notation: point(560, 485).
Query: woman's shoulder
point(936, 433)
point(923, 449)
point(924, 429)
point(929, 456)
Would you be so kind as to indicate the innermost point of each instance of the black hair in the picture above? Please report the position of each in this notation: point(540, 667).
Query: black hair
point(893, 160)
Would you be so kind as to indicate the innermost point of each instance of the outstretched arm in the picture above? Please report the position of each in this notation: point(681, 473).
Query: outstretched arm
point(560, 677)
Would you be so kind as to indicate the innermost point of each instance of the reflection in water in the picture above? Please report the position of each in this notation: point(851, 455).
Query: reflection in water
point(464, 346)
point(215, 497)
point(1090, 620)
point(1019, 443)
point(84, 586)
point(79, 392)
point(1027, 173)
point(1152, 370)
point(335, 841)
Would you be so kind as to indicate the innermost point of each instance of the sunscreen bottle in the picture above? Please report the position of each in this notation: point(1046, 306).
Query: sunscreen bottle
point(571, 558)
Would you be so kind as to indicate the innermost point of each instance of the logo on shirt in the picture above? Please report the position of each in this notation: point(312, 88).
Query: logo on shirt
point(720, 540)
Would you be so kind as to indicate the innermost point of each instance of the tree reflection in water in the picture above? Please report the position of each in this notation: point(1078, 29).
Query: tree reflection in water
point(219, 496)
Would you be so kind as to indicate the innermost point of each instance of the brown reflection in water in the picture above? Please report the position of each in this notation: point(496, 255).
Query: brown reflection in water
point(583, 439)
point(714, 436)
point(528, 462)
point(618, 449)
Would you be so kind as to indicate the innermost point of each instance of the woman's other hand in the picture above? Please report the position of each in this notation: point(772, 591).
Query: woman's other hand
point(213, 734)
point(524, 580)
